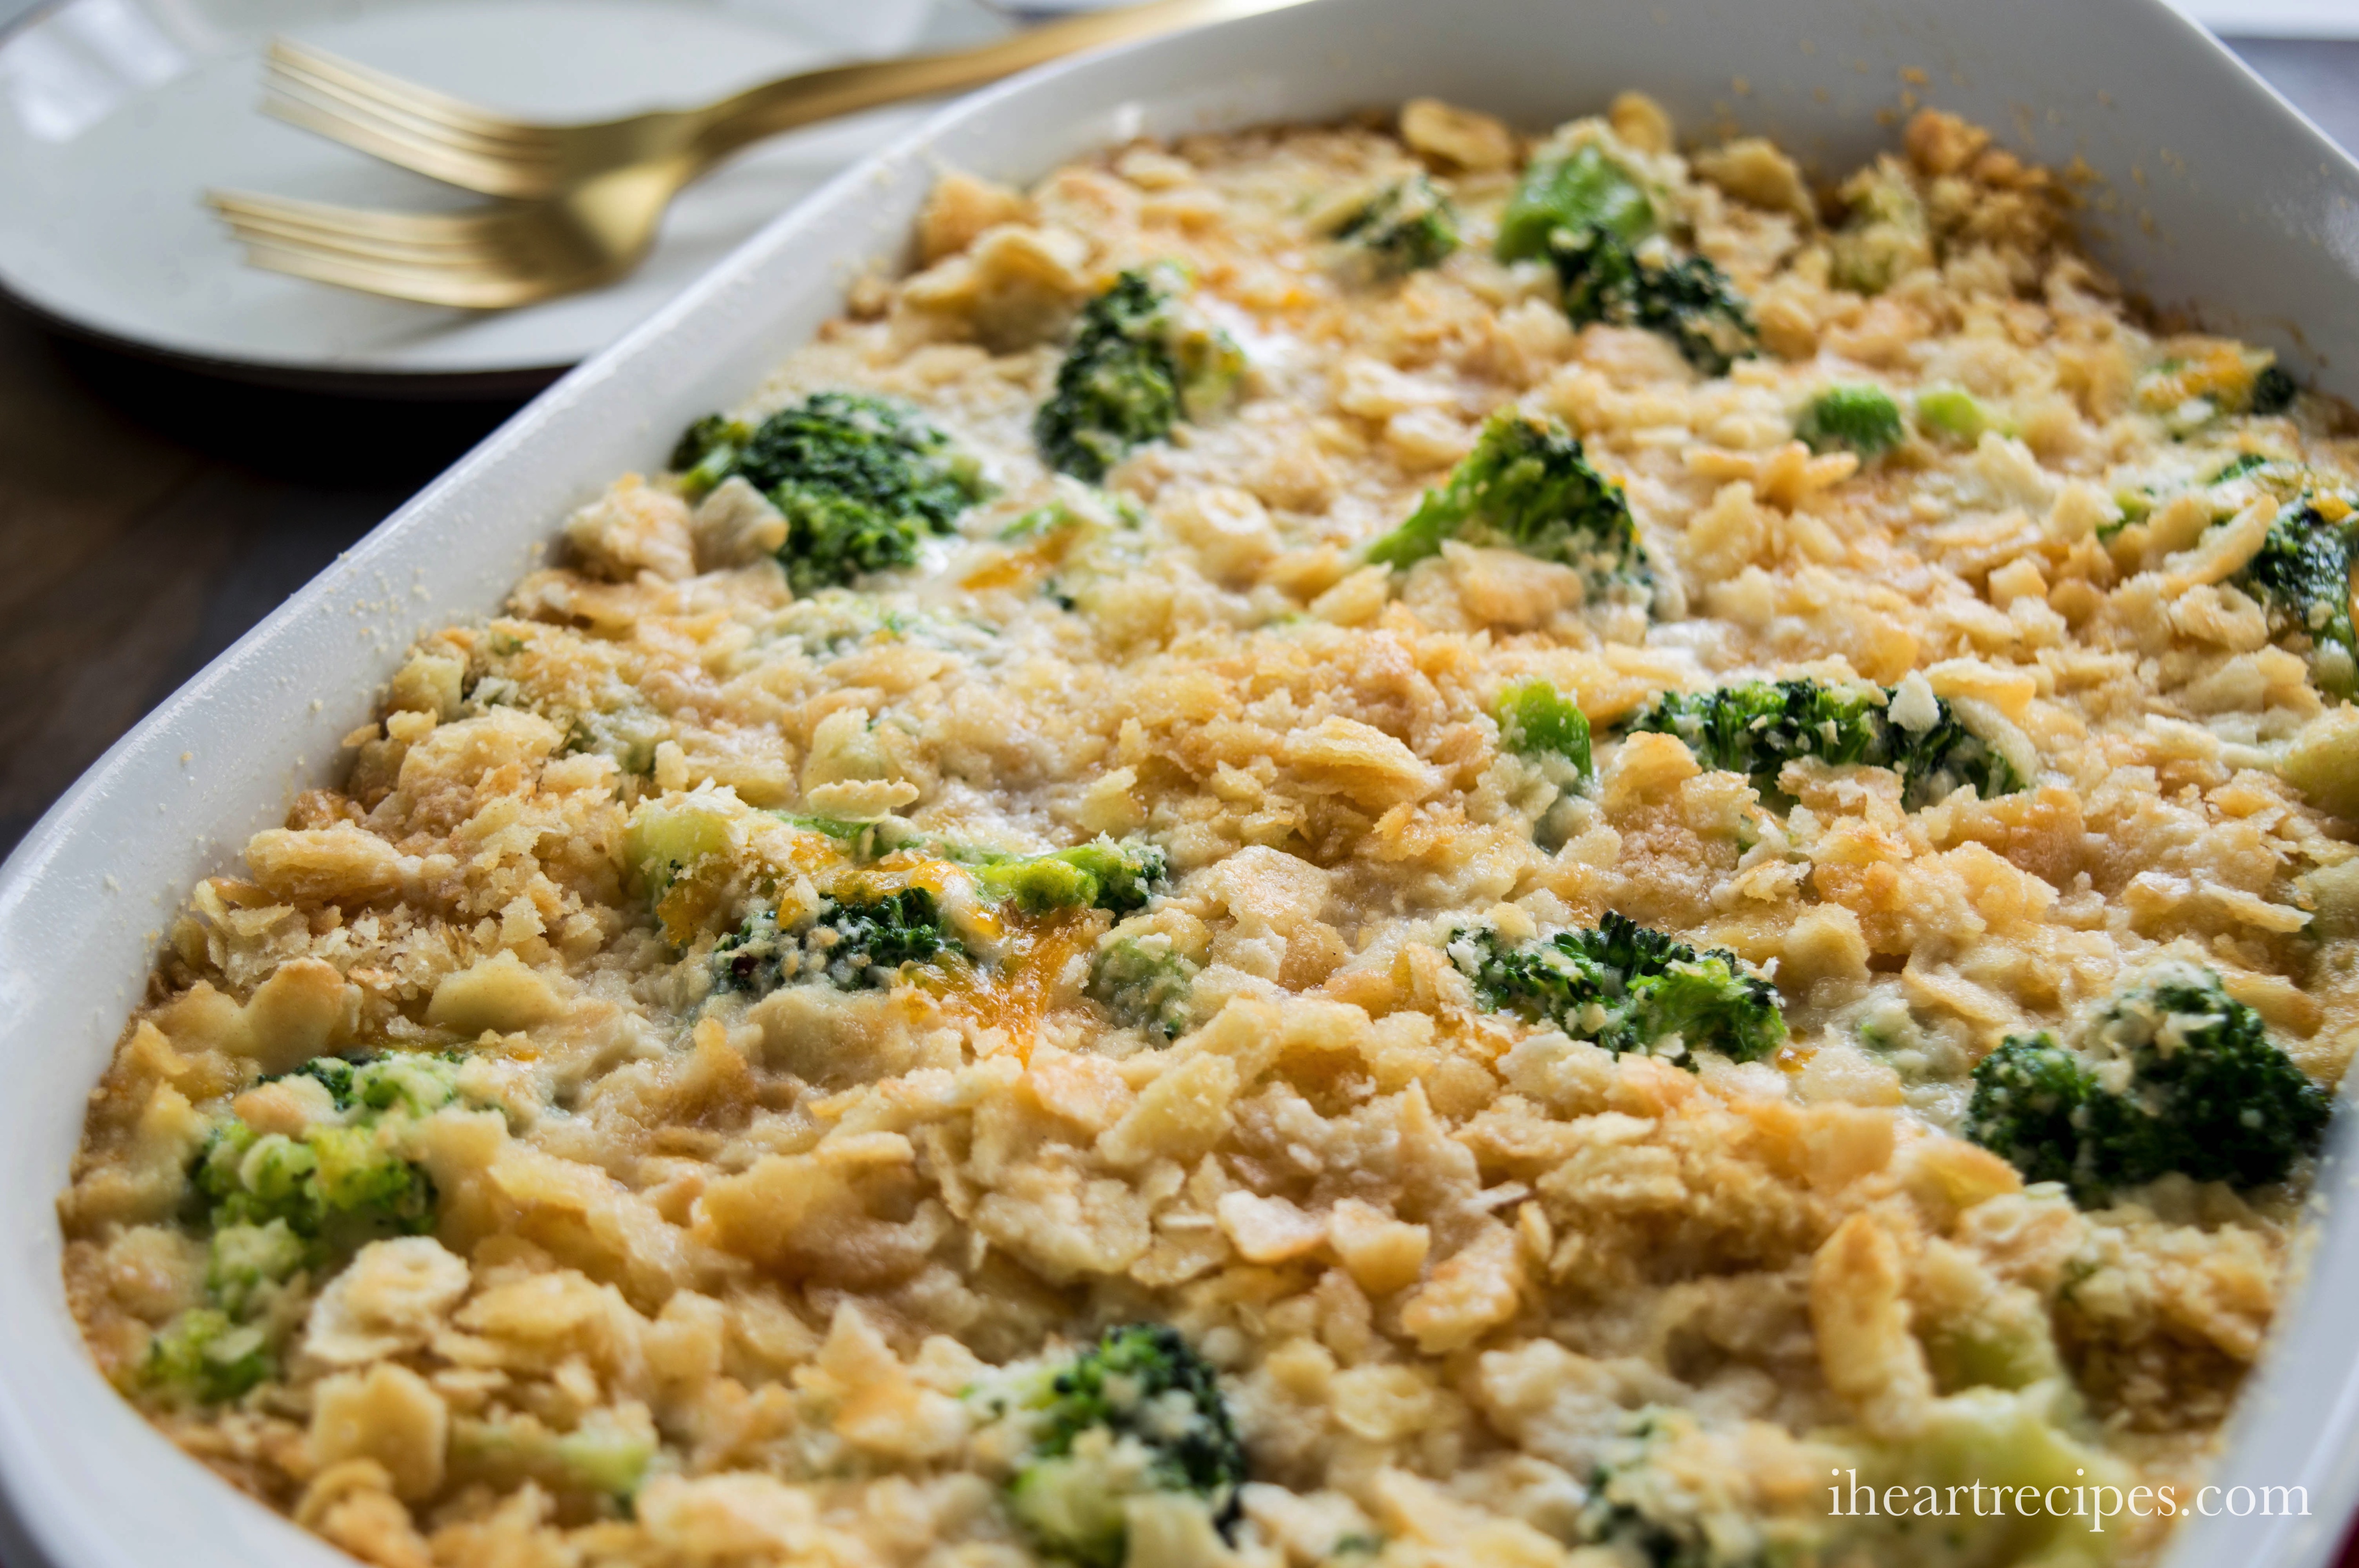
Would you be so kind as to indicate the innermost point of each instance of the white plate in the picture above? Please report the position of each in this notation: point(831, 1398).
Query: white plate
point(2200, 169)
point(115, 114)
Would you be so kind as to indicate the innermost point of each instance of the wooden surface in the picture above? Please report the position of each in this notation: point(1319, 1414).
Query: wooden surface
point(148, 517)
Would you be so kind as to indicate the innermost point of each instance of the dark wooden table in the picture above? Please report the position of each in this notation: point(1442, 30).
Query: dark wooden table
point(148, 517)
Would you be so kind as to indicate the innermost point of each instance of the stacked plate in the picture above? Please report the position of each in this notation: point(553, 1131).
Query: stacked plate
point(115, 114)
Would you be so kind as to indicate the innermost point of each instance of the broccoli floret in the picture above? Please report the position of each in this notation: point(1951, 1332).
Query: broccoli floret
point(1116, 877)
point(250, 1178)
point(418, 1082)
point(1690, 301)
point(603, 1455)
point(2301, 575)
point(707, 452)
point(2172, 1075)
point(1137, 1412)
point(1755, 727)
point(2273, 391)
point(864, 941)
point(1861, 419)
point(861, 479)
point(1953, 415)
point(1407, 226)
point(2210, 379)
point(245, 1262)
point(332, 1073)
point(1534, 720)
point(2026, 1095)
point(1528, 486)
point(337, 1187)
point(365, 1189)
point(204, 1358)
point(860, 938)
point(1583, 188)
point(2204, 1092)
point(1884, 235)
point(751, 958)
point(1648, 1514)
point(272, 1207)
point(1145, 984)
point(1628, 988)
point(1139, 363)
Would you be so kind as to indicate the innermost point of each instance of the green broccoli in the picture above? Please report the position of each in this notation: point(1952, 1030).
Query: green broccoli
point(1755, 727)
point(2237, 466)
point(1137, 1412)
point(2172, 1075)
point(1139, 365)
point(861, 939)
point(1144, 983)
point(2191, 389)
point(861, 841)
point(333, 1073)
point(1861, 419)
point(864, 941)
point(337, 1187)
point(250, 1178)
point(1115, 877)
point(751, 958)
point(861, 481)
point(1953, 415)
point(272, 1207)
point(1884, 235)
point(707, 452)
point(1583, 188)
point(418, 1082)
point(1629, 989)
point(1646, 1513)
point(245, 1263)
point(601, 1456)
point(1535, 720)
point(2026, 1095)
point(856, 939)
point(203, 1356)
point(2246, 475)
point(2302, 577)
point(1690, 301)
point(1082, 507)
point(1528, 486)
point(1407, 226)
point(2273, 391)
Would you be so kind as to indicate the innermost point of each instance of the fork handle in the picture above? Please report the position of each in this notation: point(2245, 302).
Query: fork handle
point(800, 99)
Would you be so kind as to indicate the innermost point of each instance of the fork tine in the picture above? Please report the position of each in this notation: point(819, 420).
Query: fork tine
point(521, 244)
point(337, 96)
point(467, 291)
point(446, 230)
point(397, 95)
point(363, 248)
point(434, 158)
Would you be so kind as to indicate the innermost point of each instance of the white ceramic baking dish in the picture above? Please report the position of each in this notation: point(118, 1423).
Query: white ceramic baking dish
point(2211, 192)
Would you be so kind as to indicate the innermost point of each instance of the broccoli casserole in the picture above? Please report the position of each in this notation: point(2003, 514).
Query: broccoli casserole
point(1389, 844)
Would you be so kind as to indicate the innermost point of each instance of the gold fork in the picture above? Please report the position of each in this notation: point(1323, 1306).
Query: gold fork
point(584, 200)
